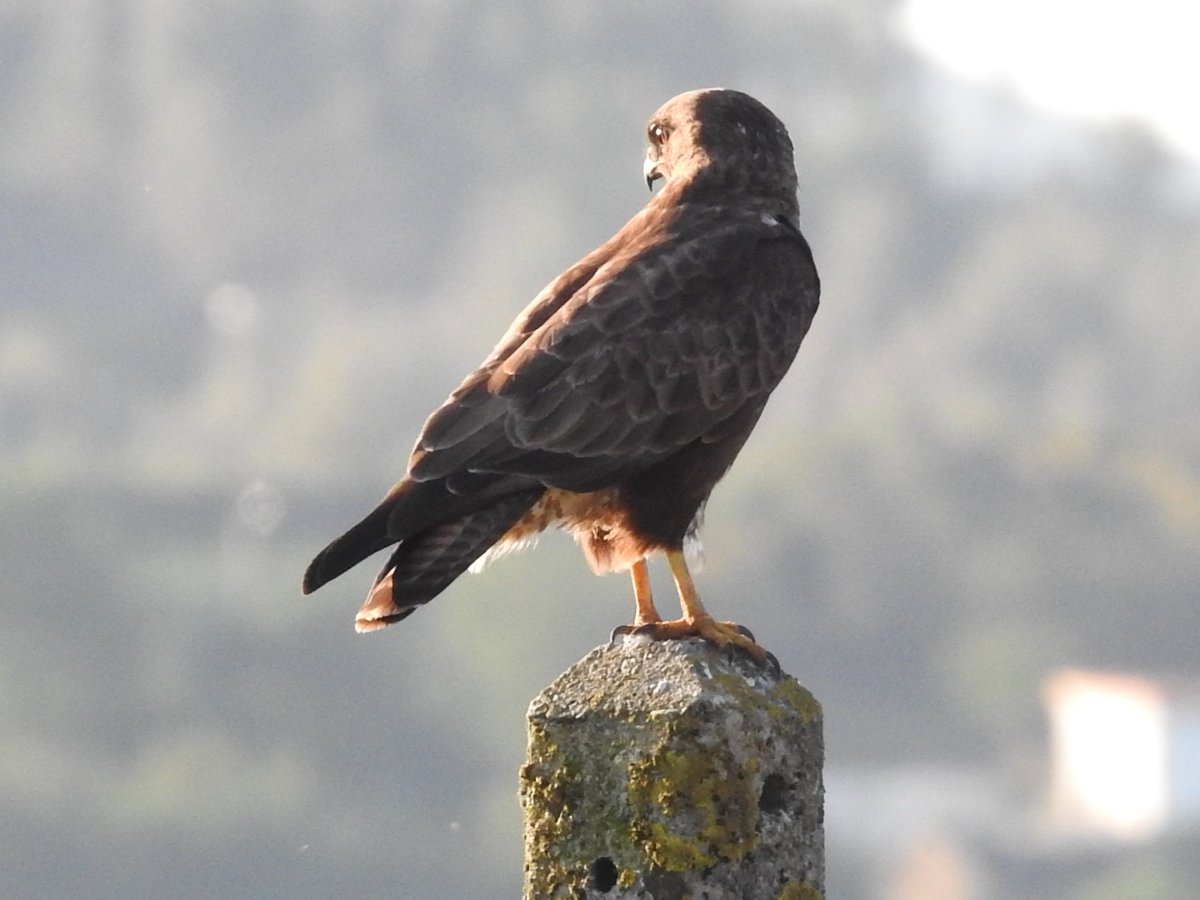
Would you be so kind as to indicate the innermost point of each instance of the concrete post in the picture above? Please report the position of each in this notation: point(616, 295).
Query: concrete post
point(663, 771)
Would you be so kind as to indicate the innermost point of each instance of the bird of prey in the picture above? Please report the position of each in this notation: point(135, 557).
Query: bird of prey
point(623, 392)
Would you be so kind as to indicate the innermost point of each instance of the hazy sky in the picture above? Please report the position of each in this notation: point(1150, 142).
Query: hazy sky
point(1093, 58)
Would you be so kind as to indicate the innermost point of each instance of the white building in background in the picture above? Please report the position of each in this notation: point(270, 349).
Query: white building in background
point(1124, 753)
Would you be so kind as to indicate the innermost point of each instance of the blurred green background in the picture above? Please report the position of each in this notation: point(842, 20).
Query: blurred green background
point(247, 247)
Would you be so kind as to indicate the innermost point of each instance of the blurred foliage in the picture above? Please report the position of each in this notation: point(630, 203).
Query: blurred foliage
point(249, 246)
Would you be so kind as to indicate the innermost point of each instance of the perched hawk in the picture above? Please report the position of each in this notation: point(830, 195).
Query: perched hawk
point(623, 392)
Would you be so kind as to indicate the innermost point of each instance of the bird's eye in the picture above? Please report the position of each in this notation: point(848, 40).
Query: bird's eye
point(658, 135)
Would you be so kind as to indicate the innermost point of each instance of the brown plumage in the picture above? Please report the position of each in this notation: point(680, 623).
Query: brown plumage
point(623, 392)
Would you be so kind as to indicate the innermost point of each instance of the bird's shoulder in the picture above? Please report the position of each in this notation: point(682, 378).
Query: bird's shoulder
point(644, 344)
point(681, 260)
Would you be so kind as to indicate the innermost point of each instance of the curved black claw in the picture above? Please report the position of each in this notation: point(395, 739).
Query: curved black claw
point(625, 630)
point(620, 631)
point(733, 653)
point(644, 628)
point(745, 632)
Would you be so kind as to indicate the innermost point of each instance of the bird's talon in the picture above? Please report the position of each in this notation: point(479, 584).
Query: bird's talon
point(634, 629)
point(727, 636)
point(754, 653)
point(623, 631)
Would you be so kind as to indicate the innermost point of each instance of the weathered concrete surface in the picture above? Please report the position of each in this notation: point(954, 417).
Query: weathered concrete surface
point(664, 771)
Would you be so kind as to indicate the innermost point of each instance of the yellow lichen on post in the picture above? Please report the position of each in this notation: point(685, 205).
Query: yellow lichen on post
point(715, 800)
point(800, 890)
point(671, 769)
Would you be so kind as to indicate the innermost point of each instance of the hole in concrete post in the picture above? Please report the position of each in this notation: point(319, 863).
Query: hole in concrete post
point(603, 874)
point(774, 794)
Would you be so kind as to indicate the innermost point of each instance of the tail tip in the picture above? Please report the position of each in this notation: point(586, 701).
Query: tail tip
point(366, 622)
point(380, 609)
point(312, 576)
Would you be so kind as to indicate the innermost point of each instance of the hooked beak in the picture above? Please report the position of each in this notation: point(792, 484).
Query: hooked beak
point(650, 170)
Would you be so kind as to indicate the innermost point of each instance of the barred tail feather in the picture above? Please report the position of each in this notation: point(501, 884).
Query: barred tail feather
point(425, 563)
point(366, 538)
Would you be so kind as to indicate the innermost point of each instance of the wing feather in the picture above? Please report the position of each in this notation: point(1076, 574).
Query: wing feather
point(644, 349)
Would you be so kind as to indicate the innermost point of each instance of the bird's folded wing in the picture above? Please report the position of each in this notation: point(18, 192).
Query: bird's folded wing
point(653, 350)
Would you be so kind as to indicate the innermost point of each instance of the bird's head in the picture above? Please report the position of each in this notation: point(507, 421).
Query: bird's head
point(725, 136)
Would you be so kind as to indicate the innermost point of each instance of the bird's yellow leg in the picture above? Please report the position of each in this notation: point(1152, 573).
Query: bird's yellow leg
point(696, 622)
point(646, 617)
point(646, 613)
